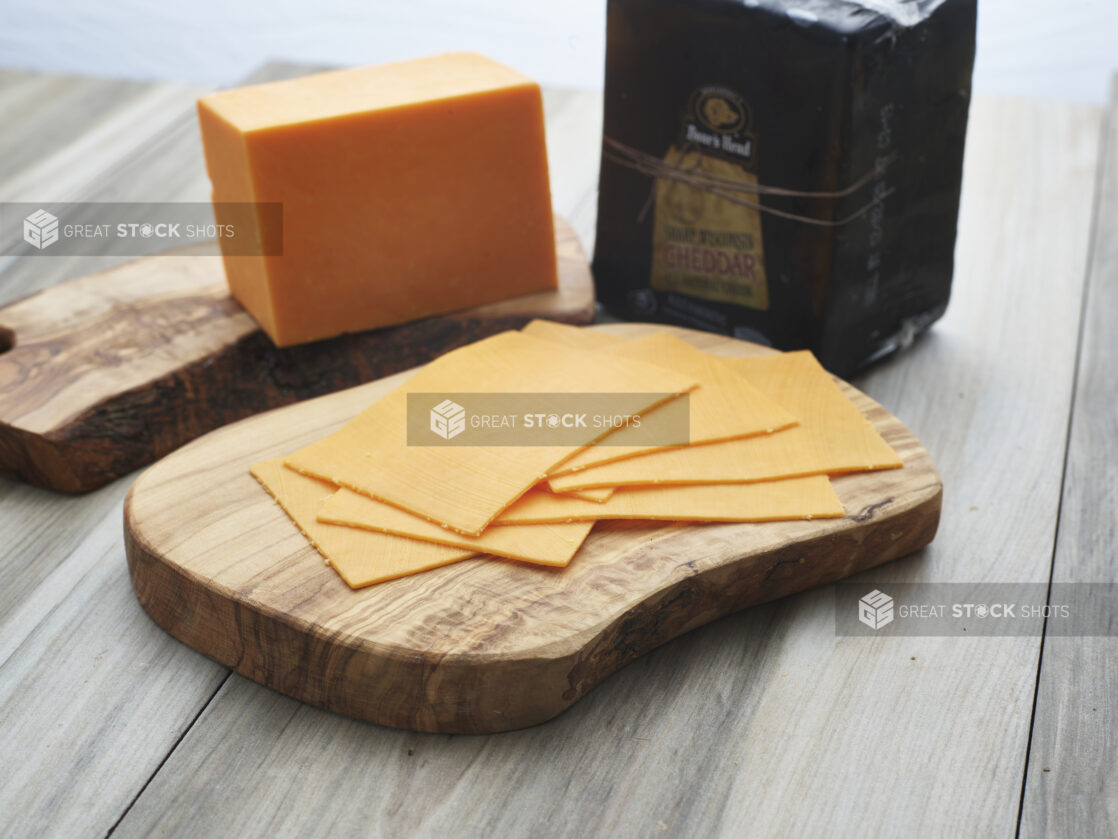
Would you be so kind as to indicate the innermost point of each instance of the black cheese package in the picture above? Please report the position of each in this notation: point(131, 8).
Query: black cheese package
point(786, 172)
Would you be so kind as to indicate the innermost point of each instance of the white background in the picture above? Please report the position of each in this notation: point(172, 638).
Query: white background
point(1064, 49)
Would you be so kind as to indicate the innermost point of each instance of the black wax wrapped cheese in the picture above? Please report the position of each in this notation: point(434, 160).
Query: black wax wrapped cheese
point(786, 172)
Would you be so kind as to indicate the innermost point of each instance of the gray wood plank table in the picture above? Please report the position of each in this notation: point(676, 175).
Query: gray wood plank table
point(762, 724)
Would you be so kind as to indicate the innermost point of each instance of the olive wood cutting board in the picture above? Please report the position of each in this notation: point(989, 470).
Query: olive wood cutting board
point(109, 372)
point(482, 645)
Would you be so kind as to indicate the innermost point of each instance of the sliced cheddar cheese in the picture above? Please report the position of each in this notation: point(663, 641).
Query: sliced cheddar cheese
point(597, 494)
point(465, 486)
point(542, 544)
point(792, 498)
point(724, 406)
point(833, 437)
point(573, 336)
point(721, 408)
point(407, 190)
point(361, 557)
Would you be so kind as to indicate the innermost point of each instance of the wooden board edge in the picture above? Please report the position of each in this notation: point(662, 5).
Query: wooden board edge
point(140, 425)
point(40, 461)
point(752, 580)
point(444, 694)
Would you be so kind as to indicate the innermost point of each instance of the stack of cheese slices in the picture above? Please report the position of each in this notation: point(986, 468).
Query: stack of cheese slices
point(765, 435)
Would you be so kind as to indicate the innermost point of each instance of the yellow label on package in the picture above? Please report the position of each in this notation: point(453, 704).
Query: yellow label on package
point(704, 245)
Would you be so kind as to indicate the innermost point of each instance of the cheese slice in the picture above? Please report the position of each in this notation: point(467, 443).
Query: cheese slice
point(725, 405)
point(466, 487)
point(361, 557)
point(543, 544)
point(597, 494)
point(832, 438)
point(792, 498)
point(572, 336)
point(583, 338)
point(407, 189)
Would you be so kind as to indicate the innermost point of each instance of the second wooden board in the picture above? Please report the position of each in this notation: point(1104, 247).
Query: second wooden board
point(483, 645)
point(106, 373)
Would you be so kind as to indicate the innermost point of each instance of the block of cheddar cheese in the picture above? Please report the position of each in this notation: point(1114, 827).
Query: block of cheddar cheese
point(407, 190)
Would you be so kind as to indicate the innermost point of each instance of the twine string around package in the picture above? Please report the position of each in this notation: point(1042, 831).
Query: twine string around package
point(732, 190)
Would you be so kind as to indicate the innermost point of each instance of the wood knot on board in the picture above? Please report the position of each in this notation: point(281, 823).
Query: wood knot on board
point(778, 568)
point(867, 512)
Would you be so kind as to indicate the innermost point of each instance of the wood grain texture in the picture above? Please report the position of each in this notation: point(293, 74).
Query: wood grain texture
point(1071, 786)
point(762, 723)
point(93, 697)
point(86, 691)
point(109, 372)
point(481, 645)
point(140, 142)
point(40, 114)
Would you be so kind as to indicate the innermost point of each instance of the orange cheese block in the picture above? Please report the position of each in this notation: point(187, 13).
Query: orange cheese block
point(542, 544)
point(467, 486)
point(792, 498)
point(361, 557)
point(407, 190)
point(832, 438)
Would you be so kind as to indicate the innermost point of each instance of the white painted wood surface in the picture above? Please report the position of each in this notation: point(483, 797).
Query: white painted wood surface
point(1072, 782)
point(762, 724)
